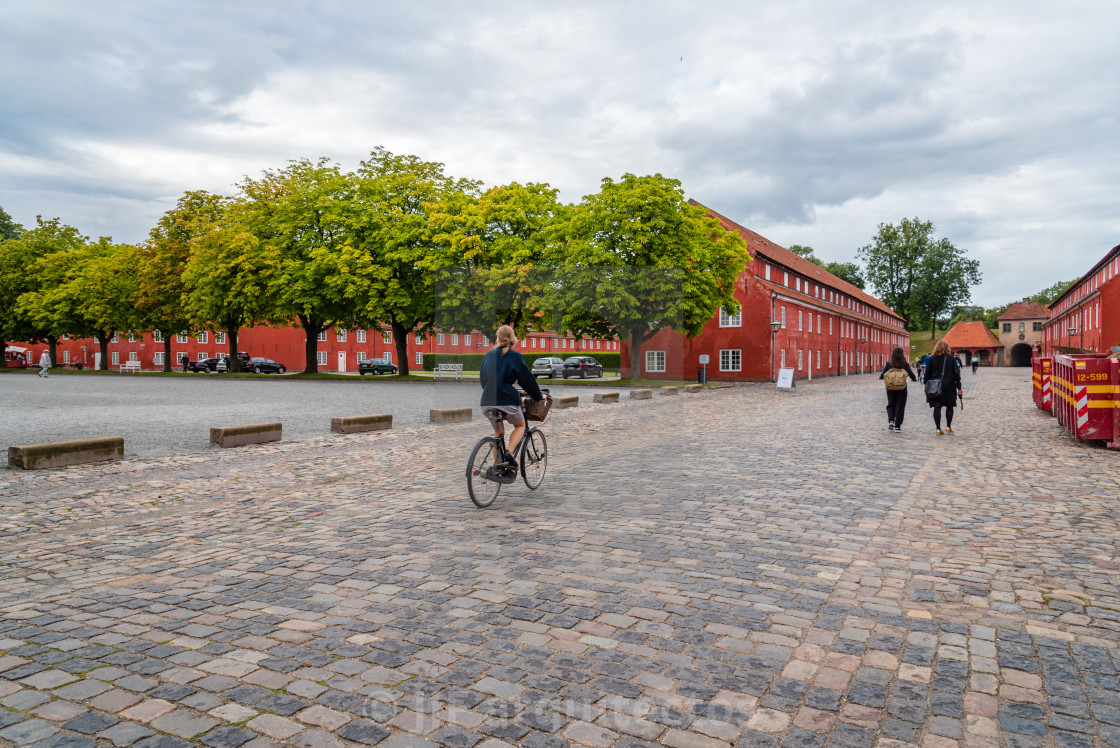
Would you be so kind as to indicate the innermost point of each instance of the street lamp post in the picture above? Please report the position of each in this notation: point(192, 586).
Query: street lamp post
point(1072, 330)
point(864, 340)
point(774, 325)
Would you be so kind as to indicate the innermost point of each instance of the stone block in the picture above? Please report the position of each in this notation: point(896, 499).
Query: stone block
point(642, 394)
point(450, 415)
point(669, 390)
point(249, 433)
point(565, 401)
point(356, 424)
point(606, 397)
point(60, 454)
point(689, 388)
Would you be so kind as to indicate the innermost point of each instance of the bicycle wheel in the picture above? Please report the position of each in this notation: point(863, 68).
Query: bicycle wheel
point(482, 489)
point(534, 458)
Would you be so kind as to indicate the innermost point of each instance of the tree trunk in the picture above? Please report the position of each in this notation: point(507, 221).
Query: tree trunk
point(933, 330)
point(103, 337)
point(167, 353)
point(234, 364)
point(52, 344)
point(311, 328)
point(3, 355)
point(400, 339)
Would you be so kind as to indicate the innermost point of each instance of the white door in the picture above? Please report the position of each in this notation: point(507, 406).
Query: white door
point(342, 361)
point(97, 361)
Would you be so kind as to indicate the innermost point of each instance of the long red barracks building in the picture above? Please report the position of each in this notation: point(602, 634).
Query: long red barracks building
point(1087, 315)
point(793, 314)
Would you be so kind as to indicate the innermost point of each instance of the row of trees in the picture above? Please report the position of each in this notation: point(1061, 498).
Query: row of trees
point(396, 242)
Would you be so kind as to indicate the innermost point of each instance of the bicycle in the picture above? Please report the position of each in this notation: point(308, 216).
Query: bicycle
point(486, 475)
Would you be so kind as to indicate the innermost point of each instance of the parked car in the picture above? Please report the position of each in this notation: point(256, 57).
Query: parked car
point(223, 362)
point(266, 366)
point(205, 365)
point(376, 366)
point(548, 366)
point(582, 367)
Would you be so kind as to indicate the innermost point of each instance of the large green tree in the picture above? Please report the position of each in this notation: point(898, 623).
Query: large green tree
point(9, 229)
point(25, 274)
point(395, 197)
point(638, 258)
point(1050, 294)
point(162, 262)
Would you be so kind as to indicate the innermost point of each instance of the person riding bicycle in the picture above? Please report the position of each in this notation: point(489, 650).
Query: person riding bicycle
point(975, 363)
point(501, 367)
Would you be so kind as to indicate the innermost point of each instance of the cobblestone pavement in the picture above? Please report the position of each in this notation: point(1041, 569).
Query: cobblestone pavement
point(738, 567)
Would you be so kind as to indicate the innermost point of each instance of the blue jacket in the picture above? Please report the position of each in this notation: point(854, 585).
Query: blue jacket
point(498, 375)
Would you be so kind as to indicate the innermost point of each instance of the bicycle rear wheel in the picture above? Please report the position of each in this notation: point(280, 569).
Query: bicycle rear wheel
point(482, 488)
point(534, 458)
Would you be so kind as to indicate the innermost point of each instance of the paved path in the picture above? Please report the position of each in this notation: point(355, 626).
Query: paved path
point(739, 567)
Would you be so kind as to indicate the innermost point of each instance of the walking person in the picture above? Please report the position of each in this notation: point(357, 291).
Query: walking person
point(44, 364)
point(944, 367)
point(894, 375)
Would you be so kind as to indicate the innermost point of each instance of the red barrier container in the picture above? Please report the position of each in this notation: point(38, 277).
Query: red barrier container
point(1086, 396)
point(1041, 379)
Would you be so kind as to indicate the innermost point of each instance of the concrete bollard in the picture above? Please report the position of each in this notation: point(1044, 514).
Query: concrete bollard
point(669, 390)
point(689, 388)
point(641, 394)
point(566, 401)
point(356, 424)
point(606, 397)
point(60, 454)
point(450, 415)
point(248, 433)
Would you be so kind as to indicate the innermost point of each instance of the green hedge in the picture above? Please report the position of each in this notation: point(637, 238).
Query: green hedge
point(473, 361)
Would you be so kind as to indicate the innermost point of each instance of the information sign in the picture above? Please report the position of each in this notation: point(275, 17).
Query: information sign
point(785, 379)
point(703, 358)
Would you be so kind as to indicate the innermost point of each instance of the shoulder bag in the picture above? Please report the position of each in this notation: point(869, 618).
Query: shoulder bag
point(933, 386)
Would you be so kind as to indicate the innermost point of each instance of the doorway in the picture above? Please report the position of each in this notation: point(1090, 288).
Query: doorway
point(342, 361)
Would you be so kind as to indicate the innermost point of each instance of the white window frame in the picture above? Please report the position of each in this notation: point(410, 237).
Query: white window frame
point(387, 356)
point(800, 358)
point(730, 320)
point(783, 318)
point(386, 336)
point(133, 356)
point(157, 358)
point(655, 362)
point(485, 340)
point(766, 272)
point(321, 358)
point(204, 338)
point(66, 357)
point(181, 337)
point(454, 338)
point(202, 356)
point(361, 334)
point(467, 339)
point(731, 359)
point(157, 336)
point(116, 358)
point(361, 355)
point(782, 364)
point(419, 358)
point(419, 339)
point(114, 339)
point(439, 339)
point(131, 336)
point(219, 338)
point(321, 337)
point(800, 321)
point(340, 336)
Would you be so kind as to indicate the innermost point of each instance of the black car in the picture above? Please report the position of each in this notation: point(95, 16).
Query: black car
point(265, 366)
point(205, 365)
point(582, 367)
point(376, 366)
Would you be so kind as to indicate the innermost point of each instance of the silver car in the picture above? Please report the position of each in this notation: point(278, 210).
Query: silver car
point(548, 366)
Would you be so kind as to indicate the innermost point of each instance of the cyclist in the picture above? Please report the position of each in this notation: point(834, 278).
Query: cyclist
point(501, 367)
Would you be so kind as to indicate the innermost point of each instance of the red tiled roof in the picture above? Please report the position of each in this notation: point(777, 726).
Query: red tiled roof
point(760, 245)
point(1025, 310)
point(971, 335)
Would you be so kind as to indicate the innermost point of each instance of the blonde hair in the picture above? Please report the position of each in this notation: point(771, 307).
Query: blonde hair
point(505, 336)
point(942, 348)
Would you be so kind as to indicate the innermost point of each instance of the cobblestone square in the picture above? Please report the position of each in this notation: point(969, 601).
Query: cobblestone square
point(739, 567)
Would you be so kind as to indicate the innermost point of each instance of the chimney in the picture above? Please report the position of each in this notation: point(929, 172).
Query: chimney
point(968, 319)
point(1026, 299)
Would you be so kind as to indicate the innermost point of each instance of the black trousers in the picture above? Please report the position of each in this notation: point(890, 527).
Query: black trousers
point(896, 406)
point(937, 415)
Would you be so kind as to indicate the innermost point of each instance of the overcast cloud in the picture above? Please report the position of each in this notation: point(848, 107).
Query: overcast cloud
point(810, 122)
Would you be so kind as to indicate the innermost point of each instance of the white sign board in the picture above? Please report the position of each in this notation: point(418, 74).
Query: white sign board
point(703, 358)
point(785, 379)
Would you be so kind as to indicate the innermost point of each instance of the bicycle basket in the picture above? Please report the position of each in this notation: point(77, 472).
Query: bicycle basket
point(536, 410)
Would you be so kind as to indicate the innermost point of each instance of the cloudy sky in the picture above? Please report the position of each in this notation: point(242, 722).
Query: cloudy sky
point(810, 122)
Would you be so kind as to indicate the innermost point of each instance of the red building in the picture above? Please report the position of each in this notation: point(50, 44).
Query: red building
point(1087, 315)
point(337, 350)
point(823, 326)
point(970, 338)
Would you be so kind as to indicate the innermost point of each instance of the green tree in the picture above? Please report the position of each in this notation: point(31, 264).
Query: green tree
point(163, 260)
point(944, 280)
point(303, 215)
point(1049, 295)
point(640, 258)
point(846, 271)
point(494, 258)
point(9, 229)
point(25, 274)
point(391, 227)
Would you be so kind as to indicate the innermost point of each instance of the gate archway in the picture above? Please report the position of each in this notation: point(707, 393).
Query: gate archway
point(1021, 354)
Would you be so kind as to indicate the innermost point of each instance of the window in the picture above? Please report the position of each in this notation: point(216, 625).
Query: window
point(362, 336)
point(598, 344)
point(655, 361)
point(534, 342)
point(486, 340)
point(157, 336)
point(767, 271)
point(830, 359)
point(219, 338)
point(419, 358)
point(202, 356)
point(132, 356)
point(387, 336)
point(387, 356)
point(322, 338)
point(340, 336)
point(116, 358)
point(114, 339)
point(454, 338)
point(467, 339)
point(321, 358)
point(783, 318)
point(180, 357)
point(783, 362)
point(131, 336)
point(786, 275)
point(799, 359)
point(204, 337)
point(157, 358)
point(419, 338)
point(361, 355)
point(1022, 327)
point(730, 359)
point(66, 357)
point(730, 320)
point(1036, 327)
point(818, 360)
point(800, 320)
point(810, 321)
point(181, 337)
point(439, 339)
point(830, 330)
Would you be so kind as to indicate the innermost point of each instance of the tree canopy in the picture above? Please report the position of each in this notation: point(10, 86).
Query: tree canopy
point(846, 271)
point(9, 229)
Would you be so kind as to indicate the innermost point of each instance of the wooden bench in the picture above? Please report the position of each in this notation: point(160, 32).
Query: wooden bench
point(448, 370)
point(131, 366)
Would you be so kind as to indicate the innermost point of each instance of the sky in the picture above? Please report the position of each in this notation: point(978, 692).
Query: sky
point(808, 122)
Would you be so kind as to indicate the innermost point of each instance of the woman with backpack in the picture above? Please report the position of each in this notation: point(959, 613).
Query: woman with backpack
point(894, 376)
point(943, 385)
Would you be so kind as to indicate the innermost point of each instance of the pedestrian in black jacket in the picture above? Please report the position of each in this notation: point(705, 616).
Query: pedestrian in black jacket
point(896, 396)
point(946, 366)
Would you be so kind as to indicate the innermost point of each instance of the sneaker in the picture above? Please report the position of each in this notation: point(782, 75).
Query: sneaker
point(898, 429)
point(948, 429)
point(940, 432)
point(890, 426)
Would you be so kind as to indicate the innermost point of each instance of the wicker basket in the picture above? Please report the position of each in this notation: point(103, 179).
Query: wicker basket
point(536, 410)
